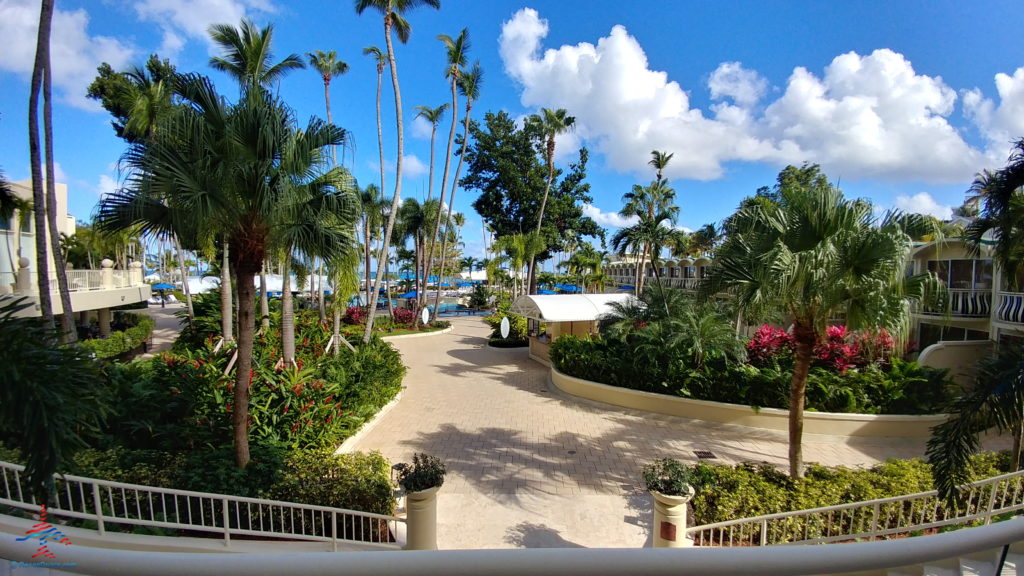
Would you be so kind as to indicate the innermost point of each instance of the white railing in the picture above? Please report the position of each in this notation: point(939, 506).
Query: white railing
point(113, 506)
point(870, 520)
point(1011, 307)
point(966, 302)
point(837, 559)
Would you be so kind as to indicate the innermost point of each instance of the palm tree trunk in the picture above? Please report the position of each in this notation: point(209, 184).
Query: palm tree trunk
point(264, 298)
point(225, 296)
point(398, 181)
point(243, 371)
point(805, 337)
point(184, 281)
point(366, 254)
point(422, 298)
point(38, 194)
point(68, 332)
point(337, 322)
point(320, 291)
point(287, 312)
point(451, 202)
point(540, 216)
point(1018, 441)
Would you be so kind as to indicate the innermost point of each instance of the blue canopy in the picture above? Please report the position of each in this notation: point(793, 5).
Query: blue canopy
point(445, 285)
point(627, 288)
point(408, 295)
point(463, 284)
point(163, 286)
point(547, 292)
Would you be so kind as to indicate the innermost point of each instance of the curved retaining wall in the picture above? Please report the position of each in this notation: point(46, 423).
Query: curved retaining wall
point(905, 426)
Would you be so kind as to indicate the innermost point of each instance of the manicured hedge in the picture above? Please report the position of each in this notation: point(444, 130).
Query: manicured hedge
point(121, 342)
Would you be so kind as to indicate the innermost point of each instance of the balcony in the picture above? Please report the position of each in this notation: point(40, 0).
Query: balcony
point(90, 289)
point(1011, 307)
point(967, 304)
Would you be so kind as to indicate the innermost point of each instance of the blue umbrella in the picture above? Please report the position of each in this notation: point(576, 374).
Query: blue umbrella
point(627, 288)
point(409, 295)
point(163, 286)
point(463, 284)
point(546, 292)
point(445, 285)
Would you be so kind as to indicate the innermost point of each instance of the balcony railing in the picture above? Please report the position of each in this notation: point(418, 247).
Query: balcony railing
point(114, 505)
point(969, 303)
point(1011, 307)
point(885, 518)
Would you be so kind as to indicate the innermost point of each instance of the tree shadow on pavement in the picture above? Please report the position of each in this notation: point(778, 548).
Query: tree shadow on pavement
point(530, 535)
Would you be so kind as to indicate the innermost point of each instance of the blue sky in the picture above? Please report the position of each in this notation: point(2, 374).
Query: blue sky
point(900, 102)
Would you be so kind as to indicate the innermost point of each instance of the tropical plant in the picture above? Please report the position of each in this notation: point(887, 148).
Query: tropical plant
point(642, 204)
point(424, 473)
point(651, 233)
point(246, 54)
point(995, 400)
point(670, 477)
point(393, 13)
point(1001, 196)
point(549, 123)
point(814, 256)
point(329, 67)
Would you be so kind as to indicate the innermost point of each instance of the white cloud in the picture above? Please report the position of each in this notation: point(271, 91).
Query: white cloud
point(105, 185)
point(59, 175)
point(413, 167)
point(870, 116)
point(421, 128)
point(73, 52)
point(923, 203)
point(1000, 123)
point(180, 20)
point(609, 219)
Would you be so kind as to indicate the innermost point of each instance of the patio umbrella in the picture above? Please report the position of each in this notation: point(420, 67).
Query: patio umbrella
point(463, 284)
point(546, 292)
point(409, 295)
point(627, 288)
point(162, 286)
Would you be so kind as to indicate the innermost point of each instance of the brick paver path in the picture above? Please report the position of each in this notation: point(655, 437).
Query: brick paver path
point(531, 467)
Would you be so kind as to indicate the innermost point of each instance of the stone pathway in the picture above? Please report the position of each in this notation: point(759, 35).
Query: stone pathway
point(166, 330)
point(531, 467)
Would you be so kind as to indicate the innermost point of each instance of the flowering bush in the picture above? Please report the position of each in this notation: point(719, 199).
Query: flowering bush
point(768, 344)
point(403, 317)
point(354, 315)
point(836, 351)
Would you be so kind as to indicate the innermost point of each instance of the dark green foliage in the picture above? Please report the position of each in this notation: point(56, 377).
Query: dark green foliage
point(206, 323)
point(139, 329)
point(480, 297)
point(503, 165)
point(51, 396)
point(749, 489)
point(425, 472)
point(517, 332)
point(670, 477)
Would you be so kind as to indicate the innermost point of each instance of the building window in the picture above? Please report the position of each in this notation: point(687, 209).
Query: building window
point(929, 334)
point(963, 274)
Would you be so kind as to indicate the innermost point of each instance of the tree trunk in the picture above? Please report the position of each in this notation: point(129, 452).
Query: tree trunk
point(320, 291)
point(38, 194)
point(1018, 440)
point(287, 312)
point(806, 338)
point(243, 375)
point(184, 282)
point(398, 182)
point(451, 202)
point(337, 323)
point(225, 296)
point(264, 298)
point(543, 205)
point(366, 256)
point(421, 298)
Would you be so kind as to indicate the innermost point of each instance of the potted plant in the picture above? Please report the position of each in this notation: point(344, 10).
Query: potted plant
point(671, 484)
point(421, 480)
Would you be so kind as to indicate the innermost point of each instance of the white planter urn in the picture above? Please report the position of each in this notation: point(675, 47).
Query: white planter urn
point(421, 519)
point(670, 520)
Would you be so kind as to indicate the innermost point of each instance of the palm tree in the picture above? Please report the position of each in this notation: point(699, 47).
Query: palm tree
point(329, 67)
point(995, 401)
point(1001, 196)
point(247, 56)
point(643, 202)
point(518, 250)
point(467, 263)
point(455, 50)
point(549, 123)
point(370, 199)
point(469, 86)
point(659, 160)
point(343, 269)
point(651, 232)
point(226, 169)
point(432, 115)
point(393, 11)
point(814, 256)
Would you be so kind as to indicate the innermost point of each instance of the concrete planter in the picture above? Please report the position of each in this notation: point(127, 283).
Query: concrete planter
point(670, 520)
point(421, 519)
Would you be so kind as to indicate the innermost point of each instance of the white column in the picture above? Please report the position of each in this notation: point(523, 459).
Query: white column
point(670, 520)
point(107, 274)
point(421, 521)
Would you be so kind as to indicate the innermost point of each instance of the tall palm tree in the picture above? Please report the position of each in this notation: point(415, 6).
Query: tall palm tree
point(393, 12)
point(432, 115)
point(1001, 198)
point(644, 202)
point(455, 51)
point(247, 56)
point(370, 199)
point(469, 86)
point(659, 160)
point(549, 123)
point(343, 269)
point(651, 232)
point(813, 256)
point(226, 168)
point(329, 68)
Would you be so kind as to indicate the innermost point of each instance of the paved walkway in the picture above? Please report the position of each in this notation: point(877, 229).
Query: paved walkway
point(167, 327)
point(531, 467)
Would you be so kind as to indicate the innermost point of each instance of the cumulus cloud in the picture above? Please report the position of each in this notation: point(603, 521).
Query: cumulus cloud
point(421, 128)
point(923, 203)
point(105, 185)
point(864, 116)
point(609, 219)
point(413, 167)
point(999, 123)
point(73, 52)
point(180, 20)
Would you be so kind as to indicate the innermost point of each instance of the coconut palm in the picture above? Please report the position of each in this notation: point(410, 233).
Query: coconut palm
point(247, 56)
point(432, 115)
point(227, 169)
point(455, 50)
point(549, 124)
point(659, 160)
point(1001, 198)
point(343, 270)
point(414, 222)
point(518, 250)
point(372, 210)
point(393, 12)
point(651, 232)
point(814, 256)
point(470, 82)
point(995, 401)
point(644, 202)
point(329, 67)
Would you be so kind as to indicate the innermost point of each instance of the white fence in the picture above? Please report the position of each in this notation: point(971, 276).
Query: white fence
point(115, 506)
point(898, 516)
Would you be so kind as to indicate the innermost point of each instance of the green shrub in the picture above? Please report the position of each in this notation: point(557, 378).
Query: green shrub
point(424, 473)
point(140, 328)
point(670, 477)
point(356, 481)
point(518, 326)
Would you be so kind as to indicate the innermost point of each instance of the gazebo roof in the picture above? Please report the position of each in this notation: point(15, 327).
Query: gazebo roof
point(566, 307)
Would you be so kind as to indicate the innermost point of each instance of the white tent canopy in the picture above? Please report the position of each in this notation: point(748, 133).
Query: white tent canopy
point(566, 307)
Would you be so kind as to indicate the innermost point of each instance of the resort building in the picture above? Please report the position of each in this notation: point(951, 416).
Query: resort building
point(98, 290)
